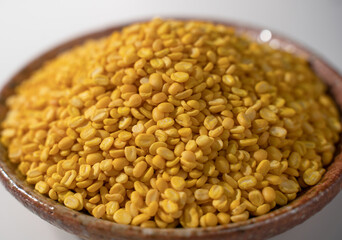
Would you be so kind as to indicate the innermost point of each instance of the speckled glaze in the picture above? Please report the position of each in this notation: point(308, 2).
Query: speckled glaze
point(87, 227)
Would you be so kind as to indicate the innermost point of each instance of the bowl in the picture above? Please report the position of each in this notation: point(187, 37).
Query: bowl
point(85, 226)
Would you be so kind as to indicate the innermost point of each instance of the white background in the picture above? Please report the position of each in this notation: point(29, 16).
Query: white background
point(28, 28)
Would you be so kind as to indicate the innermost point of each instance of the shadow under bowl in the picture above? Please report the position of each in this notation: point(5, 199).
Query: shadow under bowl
point(85, 226)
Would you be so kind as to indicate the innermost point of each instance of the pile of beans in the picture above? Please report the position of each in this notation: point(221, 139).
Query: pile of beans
point(171, 123)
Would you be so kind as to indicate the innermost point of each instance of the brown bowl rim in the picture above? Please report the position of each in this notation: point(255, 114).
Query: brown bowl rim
point(88, 227)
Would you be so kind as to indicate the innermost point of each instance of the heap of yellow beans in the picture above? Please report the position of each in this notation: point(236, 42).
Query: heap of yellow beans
point(172, 123)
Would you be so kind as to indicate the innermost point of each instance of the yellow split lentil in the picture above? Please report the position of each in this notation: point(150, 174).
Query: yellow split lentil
point(172, 123)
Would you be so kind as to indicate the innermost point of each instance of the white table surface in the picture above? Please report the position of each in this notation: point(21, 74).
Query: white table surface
point(28, 28)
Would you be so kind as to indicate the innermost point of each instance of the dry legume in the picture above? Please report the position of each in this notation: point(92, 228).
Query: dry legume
point(171, 123)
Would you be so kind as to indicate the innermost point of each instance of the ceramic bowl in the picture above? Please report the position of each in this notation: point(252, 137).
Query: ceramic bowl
point(85, 226)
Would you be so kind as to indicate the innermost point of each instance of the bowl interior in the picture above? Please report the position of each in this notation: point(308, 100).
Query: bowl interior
point(87, 227)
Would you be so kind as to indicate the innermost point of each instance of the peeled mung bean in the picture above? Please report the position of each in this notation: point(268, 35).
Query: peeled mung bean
point(171, 123)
